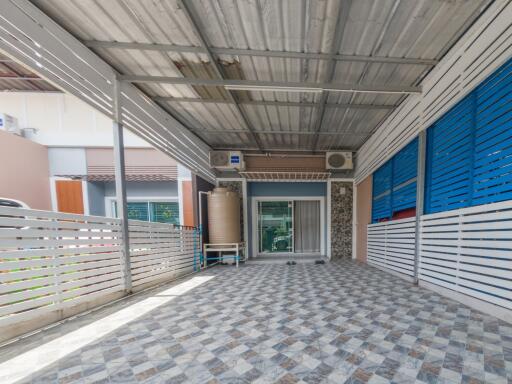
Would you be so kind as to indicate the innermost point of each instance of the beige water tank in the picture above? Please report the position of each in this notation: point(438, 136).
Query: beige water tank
point(223, 216)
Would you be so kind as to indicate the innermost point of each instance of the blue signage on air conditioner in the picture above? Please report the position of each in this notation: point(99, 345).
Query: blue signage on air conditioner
point(235, 159)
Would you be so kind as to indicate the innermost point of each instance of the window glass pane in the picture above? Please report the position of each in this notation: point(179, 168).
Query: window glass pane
point(275, 226)
point(138, 211)
point(165, 212)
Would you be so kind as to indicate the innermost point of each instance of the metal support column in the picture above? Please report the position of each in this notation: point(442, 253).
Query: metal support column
point(420, 197)
point(120, 178)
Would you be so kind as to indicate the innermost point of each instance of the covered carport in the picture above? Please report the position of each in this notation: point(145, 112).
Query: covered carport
point(415, 236)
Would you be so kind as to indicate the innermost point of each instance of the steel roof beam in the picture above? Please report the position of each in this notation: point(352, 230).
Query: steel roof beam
point(219, 70)
point(269, 132)
point(273, 84)
point(259, 53)
point(21, 78)
point(343, 11)
point(274, 103)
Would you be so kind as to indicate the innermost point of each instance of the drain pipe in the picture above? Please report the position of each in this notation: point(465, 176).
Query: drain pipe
point(201, 257)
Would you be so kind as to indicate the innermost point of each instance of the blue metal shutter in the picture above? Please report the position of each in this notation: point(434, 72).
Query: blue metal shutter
point(405, 169)
point(492, 179)
point(381, 192)
point(449, 159)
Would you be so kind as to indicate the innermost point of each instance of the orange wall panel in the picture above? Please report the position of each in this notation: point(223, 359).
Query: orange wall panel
point(188, 206)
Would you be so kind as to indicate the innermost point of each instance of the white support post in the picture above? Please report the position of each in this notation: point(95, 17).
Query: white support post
point(420, 192)
point(120, 179)
point(354, 221)
point(328, 209)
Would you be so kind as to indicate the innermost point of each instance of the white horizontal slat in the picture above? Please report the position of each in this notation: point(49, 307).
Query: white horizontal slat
point(51, 261)
point(14, 222)
point(34, 213)
point(391, 245)
point(476, 255)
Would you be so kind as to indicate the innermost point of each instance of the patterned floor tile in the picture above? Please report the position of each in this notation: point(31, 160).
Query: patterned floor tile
point(335, 323)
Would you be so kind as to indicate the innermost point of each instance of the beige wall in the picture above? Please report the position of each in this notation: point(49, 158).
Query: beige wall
point(363, 215)
point(24, 171)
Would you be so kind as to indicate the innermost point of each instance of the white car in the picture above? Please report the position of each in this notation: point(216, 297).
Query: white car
point(5, 202)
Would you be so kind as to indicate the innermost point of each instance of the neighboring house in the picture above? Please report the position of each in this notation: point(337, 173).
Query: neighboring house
point(82, 180)
point(72, 164)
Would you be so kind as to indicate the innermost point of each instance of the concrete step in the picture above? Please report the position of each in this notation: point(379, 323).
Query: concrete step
point(283, 259)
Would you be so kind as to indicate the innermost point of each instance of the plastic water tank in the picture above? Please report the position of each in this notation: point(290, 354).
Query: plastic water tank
point(223, 216)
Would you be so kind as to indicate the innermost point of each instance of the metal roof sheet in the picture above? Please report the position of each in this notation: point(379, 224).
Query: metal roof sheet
point(421, 29)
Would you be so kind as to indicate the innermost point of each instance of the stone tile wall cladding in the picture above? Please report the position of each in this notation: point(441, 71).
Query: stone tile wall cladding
point(341, 219)
point(236, 186)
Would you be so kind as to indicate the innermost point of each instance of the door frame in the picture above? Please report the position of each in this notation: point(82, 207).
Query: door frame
point(254, 220)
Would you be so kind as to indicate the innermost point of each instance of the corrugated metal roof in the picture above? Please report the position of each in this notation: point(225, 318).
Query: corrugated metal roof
point(421, 29)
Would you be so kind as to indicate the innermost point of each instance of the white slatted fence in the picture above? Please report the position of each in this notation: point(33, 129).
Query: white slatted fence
point(50, 261)
point(161, 250)
point(470, 251)
point(53, 261)
point(391, 245)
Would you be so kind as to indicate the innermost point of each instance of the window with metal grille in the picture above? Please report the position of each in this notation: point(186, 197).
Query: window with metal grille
point(161, 212)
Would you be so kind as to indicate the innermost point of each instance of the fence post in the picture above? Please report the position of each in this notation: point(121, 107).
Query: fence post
point(120, 176)
point(420, 199)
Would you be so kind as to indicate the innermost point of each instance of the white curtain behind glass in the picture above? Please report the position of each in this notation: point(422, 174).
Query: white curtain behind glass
point(307, 226)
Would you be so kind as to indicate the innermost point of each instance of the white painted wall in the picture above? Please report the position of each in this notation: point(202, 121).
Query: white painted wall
point(62, 120)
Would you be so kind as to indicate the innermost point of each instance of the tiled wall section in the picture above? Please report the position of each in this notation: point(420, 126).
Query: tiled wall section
point(341, 219)
point(236, 186)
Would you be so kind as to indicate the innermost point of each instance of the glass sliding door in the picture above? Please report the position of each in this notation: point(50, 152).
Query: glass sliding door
point(275, 226)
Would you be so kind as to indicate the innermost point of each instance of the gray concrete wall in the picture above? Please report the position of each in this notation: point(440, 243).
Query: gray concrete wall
point(96, 194)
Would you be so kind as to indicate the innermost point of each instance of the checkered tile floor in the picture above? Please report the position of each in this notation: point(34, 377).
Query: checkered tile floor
point(333, 323)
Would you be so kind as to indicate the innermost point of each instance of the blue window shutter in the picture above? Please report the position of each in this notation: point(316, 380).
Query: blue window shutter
point(381, 192)
point(492, 179)
point(449, 158)
point(405, 168)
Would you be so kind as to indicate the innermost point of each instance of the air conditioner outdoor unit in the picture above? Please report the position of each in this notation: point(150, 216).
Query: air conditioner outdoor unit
point(9, 124)
point(227, 160)
point(338, 160)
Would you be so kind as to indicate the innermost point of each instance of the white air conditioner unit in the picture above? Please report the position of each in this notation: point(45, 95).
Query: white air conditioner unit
point(338, 160)
point(227, 160)
point(9, 124)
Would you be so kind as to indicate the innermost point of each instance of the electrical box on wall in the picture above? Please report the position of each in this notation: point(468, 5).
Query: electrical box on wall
point(9, 124)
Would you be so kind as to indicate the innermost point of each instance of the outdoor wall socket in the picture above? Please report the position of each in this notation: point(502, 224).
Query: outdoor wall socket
point(342, 190)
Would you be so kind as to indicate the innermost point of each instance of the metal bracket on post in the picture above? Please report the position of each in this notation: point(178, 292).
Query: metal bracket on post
point(420, 199)
point(120, 180)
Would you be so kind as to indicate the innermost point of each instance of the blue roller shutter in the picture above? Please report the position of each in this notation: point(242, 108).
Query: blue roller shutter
point(405, 169)
point(492, 179)
point(449, 158)
point(469, 149)
point(394, 184)
point(381, 192)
